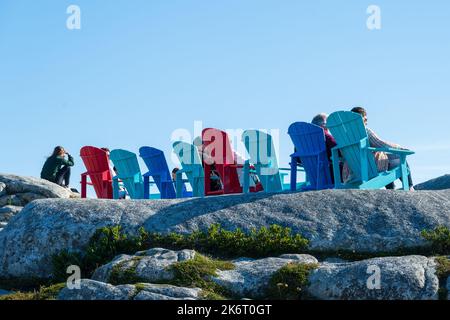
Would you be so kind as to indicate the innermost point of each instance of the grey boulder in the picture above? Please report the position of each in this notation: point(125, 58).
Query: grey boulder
point(148, 266)
point(94, 290)
point(10, 200)
point(7, 212)
point(390, 278)
point(2, 189)
point(19, 184)
point(440, 183)
point(167, 292)
point(250, 278)
point(3, 225)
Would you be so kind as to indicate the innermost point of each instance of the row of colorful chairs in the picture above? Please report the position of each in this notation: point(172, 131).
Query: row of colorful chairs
point(215, 153)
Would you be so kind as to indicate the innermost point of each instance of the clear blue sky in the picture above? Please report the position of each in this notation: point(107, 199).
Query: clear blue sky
point(138, 70)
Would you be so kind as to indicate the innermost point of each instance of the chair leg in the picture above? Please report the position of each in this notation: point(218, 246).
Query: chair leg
point(405, 174)
point(83, 186)
point(146, 187)
point(293, 174)
point(246, 177)
point(336, 169)
point(199, 191)
point(116, 189)
point(179, 186)
point(207, 180)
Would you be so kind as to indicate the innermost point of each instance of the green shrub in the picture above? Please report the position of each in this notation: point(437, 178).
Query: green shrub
point(62, 261)
point(105, 244)
point(289, 282)
point(442, 272)
point(439, 239)
point(264, 242)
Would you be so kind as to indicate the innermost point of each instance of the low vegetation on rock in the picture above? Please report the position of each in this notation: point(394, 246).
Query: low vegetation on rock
point(44, 293)
point(439, 239)
point(198, 272)
point(289, 282)
point(108, 242)
point(443, 273)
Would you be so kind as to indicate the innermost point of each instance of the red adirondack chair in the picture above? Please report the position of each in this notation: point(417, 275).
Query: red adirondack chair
point(217, 153)
point(97, 164)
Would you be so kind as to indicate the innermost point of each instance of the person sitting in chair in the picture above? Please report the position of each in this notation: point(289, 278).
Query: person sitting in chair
point(393, 160)
point(56, 168)
point(174, 179)
point(321, 121)
point(215, 181)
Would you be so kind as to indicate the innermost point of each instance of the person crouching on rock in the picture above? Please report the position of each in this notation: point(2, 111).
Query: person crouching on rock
point(57, 169)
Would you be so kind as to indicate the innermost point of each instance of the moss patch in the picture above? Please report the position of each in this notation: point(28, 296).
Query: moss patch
point(24, 284)
point(138, 287)
point(44, 293)
point(120, 274)
point(289, 282)
point(197, 273)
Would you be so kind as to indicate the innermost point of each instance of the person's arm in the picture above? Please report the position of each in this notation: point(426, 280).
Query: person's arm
point(63, 162)
point(376, 142)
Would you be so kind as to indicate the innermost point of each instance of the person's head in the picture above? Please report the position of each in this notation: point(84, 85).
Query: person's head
point(362, 112)
point(106, 150)
point(320, 120)
point(58, 152)
point(174, 173)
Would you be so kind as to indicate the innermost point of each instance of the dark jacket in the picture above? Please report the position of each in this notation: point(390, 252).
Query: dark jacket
point(53, 165)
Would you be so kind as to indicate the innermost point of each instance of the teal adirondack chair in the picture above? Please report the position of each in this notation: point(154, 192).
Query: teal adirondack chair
point(128, 172)
point(351, 136)
point(262, 154)
point(191, 166)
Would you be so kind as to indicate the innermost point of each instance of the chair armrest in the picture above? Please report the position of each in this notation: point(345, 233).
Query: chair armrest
point(289, 169)
point(153, 175)
point(394, 151)
point(101, 173)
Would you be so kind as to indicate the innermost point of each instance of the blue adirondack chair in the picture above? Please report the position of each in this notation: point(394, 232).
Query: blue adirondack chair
point(191, 166)
point(351, 136)
point(128, 172)
point(262, 154)
point(159, 171)
point(309, 141)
